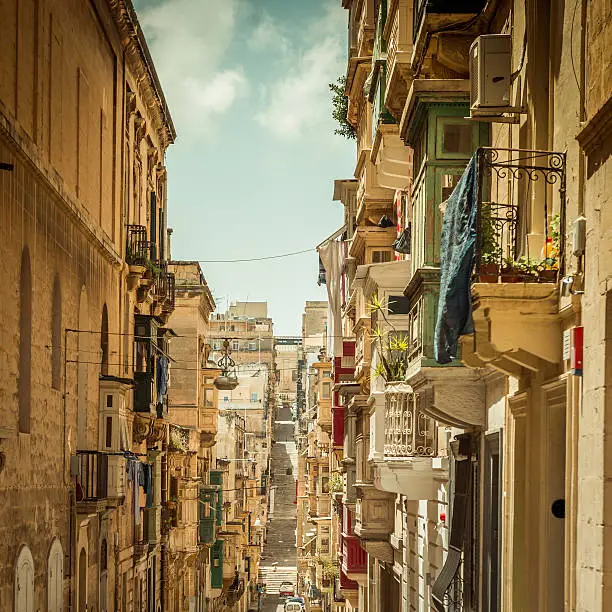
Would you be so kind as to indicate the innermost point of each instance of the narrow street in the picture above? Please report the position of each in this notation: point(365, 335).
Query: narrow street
point(279, 559)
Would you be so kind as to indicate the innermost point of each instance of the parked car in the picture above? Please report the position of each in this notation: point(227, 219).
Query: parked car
point(286, 589)
point(294, 606)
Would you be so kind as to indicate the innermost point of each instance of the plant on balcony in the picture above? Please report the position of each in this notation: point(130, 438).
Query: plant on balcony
point(393, 347)
point(340, 109)
point(177, 443)
point(336, 483)
point(490, 252)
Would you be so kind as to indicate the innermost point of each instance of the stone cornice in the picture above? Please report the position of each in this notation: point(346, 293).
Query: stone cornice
point(139, 59)
point(598, 130)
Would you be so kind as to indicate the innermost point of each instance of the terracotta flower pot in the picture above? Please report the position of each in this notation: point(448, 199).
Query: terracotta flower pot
point(510, 275)
point(547, 276)
point(488, 273)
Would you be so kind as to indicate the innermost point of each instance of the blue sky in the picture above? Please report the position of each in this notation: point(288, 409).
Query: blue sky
point(251, 173)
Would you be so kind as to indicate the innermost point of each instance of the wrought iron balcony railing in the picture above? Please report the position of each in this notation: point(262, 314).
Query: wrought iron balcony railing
point(409, 432)
point(138, 248)
point(521, 215)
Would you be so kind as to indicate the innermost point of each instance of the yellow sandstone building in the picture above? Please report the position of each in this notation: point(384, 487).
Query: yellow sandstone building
point(474, 424)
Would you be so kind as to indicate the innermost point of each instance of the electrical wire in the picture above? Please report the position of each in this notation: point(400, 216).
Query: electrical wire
point(249, 259)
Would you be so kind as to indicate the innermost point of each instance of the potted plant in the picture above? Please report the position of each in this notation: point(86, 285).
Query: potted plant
point(509, 271)
point(527, 269)
point(548, 270)
point(549, 266)
point(490, 253)
point(489, 268)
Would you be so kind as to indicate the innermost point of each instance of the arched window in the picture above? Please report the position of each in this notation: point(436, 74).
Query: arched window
point(104, 341)
point(25, 342)
point(55, 578)
point(56, 335)
point(24, 581)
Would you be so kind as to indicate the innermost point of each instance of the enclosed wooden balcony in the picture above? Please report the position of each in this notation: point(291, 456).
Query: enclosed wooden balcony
point(354, 557)
point(398, 34)
point(430, 18)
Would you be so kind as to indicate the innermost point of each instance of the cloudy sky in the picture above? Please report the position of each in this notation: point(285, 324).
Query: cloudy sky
point(251, 173)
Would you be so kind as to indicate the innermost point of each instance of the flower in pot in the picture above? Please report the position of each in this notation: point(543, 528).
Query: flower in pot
point(509, 271)
point(393, 347)
point(490, 252)
point(547, 270)
point(527, 269)
point(489, 268)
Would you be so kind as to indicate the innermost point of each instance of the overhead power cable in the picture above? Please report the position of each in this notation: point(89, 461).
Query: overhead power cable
point(213, 261)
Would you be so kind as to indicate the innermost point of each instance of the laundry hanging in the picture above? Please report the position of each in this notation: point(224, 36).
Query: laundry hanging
point(457, 252)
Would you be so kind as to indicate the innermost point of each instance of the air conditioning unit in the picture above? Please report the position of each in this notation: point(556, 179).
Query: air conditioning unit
point(490, 70)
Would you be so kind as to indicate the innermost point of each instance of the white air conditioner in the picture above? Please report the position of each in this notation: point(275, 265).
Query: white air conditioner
point(490, 69)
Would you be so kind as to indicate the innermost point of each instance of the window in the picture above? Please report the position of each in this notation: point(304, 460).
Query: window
point(380, 256)
point(25, 342)
point(253, 397)
point(326, 390)
point(252, 346)
point(225, 399)
point(235, 345)
point(457, 138)
point(448, 185)
point(216, 345)
point(398, 305)
point(294, 375)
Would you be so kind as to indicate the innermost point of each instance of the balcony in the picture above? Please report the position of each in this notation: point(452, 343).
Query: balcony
point(163, 290)
point(354, 558)
point(398, 34)
point(346, 584)
point(216, 565)
point(90, 470)
point(430, 18)
point(404, 455)
point(324, 415)
point(514, 293)
point(338, 427)
point(138, 248)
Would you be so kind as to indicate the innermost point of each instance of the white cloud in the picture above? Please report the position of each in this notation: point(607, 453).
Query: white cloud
point(268, 35)
point(188, 41)
point(299, 100)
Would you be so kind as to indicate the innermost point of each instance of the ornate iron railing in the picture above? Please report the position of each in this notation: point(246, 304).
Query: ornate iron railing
point(521, 215)
point(138, 248)
point(409, 432)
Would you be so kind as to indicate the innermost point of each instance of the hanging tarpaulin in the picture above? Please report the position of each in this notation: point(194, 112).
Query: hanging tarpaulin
point(457, 251)
point(321, 279)
point(331, 253)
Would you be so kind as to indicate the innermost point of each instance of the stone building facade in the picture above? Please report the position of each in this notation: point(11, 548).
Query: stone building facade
point(84, 128)
point(475, 481)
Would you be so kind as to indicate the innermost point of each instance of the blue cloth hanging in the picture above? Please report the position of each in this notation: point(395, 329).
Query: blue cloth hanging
point(457, 253)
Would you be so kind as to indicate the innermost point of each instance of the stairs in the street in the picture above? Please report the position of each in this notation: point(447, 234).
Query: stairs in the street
point(279, 559)
point(272, 576)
